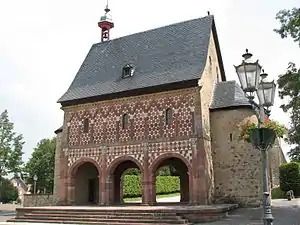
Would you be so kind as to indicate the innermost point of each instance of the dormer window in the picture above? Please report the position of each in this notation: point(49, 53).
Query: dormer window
point(127, 71)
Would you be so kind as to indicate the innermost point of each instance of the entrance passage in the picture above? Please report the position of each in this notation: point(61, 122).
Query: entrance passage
point(172, 181)
point(126, 182)
point(87, 185)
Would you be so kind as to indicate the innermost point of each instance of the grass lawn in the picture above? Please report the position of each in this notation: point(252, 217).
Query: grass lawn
point(157, 196)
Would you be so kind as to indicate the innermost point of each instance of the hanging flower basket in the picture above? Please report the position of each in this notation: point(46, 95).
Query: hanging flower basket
point(261, 137)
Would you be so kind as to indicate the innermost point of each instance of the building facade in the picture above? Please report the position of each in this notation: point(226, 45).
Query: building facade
point(152, 99)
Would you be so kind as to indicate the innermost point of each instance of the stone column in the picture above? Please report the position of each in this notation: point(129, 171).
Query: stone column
point(103, 190)
point(109, 187)
point(71, 191)
point(58, 150)
point(147, 191)
point(184, 188)
point(62, 182)
point(199, 190)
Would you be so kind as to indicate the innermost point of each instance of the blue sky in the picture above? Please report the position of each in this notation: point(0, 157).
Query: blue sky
point(44, 42)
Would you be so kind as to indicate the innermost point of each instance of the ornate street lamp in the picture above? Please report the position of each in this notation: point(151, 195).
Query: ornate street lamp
point(252, 80)
point(35, 178)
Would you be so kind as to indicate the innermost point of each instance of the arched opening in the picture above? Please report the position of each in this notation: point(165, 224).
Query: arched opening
point(126, 182)
point(172, 181)
point(87, 184)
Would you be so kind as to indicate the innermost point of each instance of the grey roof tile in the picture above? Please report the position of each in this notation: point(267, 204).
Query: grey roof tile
point(228, 94)
point(164, 55)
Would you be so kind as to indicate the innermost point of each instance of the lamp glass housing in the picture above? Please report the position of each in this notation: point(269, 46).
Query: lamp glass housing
point(266, 93)
point(249, 75)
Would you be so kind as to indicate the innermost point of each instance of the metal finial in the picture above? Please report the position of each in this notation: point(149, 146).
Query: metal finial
point(263, 75)
point(247, 55)
point(107, 10)
point(208, 13)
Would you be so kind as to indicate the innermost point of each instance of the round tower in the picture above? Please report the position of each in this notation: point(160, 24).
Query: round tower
point(105, 24)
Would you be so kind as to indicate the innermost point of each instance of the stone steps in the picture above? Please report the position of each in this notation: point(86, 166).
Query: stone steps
point(123, 215)
point(106, 216)
point(99, 217)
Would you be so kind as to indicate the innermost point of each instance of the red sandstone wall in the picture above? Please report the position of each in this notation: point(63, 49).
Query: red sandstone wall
point(147, 119)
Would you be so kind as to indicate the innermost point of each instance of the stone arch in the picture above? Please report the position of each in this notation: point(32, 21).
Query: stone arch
point(115, 174)
point(84, 176)
point(116, 162)
point(169, 155)
point(74, 167)
point(183, 170)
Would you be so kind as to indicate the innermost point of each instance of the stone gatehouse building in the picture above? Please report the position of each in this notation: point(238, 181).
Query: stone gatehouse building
point(151, 99)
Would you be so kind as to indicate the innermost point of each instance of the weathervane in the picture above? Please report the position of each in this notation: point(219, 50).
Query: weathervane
point(107, 10)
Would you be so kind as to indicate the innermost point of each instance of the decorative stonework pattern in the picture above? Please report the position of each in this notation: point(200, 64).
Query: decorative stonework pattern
point(74, 131)
point(183, 148)
point(154, 123)
point(85, 138)
point(185, 122)
point(99, 129)
point(111, 127)
point(139, 124)
point(75, 154)
point(134, 151)
point(147, 119)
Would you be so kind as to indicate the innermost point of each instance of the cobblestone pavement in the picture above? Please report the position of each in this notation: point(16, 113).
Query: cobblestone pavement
point(284, 212)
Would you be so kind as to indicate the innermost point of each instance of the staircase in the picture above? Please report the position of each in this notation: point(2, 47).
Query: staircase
point(100, 217)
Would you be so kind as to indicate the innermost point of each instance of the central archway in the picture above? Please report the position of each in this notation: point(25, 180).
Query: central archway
point(86, 184)
point(117, 171)
point(179, 171)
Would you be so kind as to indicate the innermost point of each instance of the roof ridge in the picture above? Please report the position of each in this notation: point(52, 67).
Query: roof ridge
point(153, 29)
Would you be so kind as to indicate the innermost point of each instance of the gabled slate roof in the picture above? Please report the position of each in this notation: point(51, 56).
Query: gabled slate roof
point(166, 55)
point(228, 94)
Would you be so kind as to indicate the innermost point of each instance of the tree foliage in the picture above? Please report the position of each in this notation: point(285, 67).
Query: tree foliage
point(290, 24)
point(8, 193)
point(11, 145)
point(289, 83)
point(41, 164)
point(289, 176)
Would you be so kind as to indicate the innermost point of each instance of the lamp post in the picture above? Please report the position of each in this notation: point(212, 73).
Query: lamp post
point(252, 80)
point(35, 178)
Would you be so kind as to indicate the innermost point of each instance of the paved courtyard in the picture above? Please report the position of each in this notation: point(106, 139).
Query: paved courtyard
point(285, 213)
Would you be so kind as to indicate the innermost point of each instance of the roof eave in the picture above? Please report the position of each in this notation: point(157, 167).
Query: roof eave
point(133, 92)
point(218, 49)
point(232, 107)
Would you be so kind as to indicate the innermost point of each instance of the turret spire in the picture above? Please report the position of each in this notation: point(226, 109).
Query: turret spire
point(105, 24)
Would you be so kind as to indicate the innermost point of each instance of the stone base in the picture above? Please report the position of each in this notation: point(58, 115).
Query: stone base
point(126, 214)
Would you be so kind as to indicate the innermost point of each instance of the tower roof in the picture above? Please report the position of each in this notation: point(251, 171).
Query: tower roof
point(166, 55)
point(228, 94)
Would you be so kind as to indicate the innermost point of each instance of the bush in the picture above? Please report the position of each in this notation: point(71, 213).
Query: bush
point(132, 186)
point(289, 176)
point(164, 185)
point(132, 171)
point(8, 193)
point(277, 193)
point(167, 184)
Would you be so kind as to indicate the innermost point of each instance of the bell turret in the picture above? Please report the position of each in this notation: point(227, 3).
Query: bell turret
point(105, 24)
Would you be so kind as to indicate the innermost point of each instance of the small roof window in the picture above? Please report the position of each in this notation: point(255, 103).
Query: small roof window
point(127, 71)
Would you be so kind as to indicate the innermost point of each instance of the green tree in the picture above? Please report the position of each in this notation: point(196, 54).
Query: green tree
point(11, 145)
point(41, 164)
point(289, 24)
point(8, 192)
point(289, 83)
